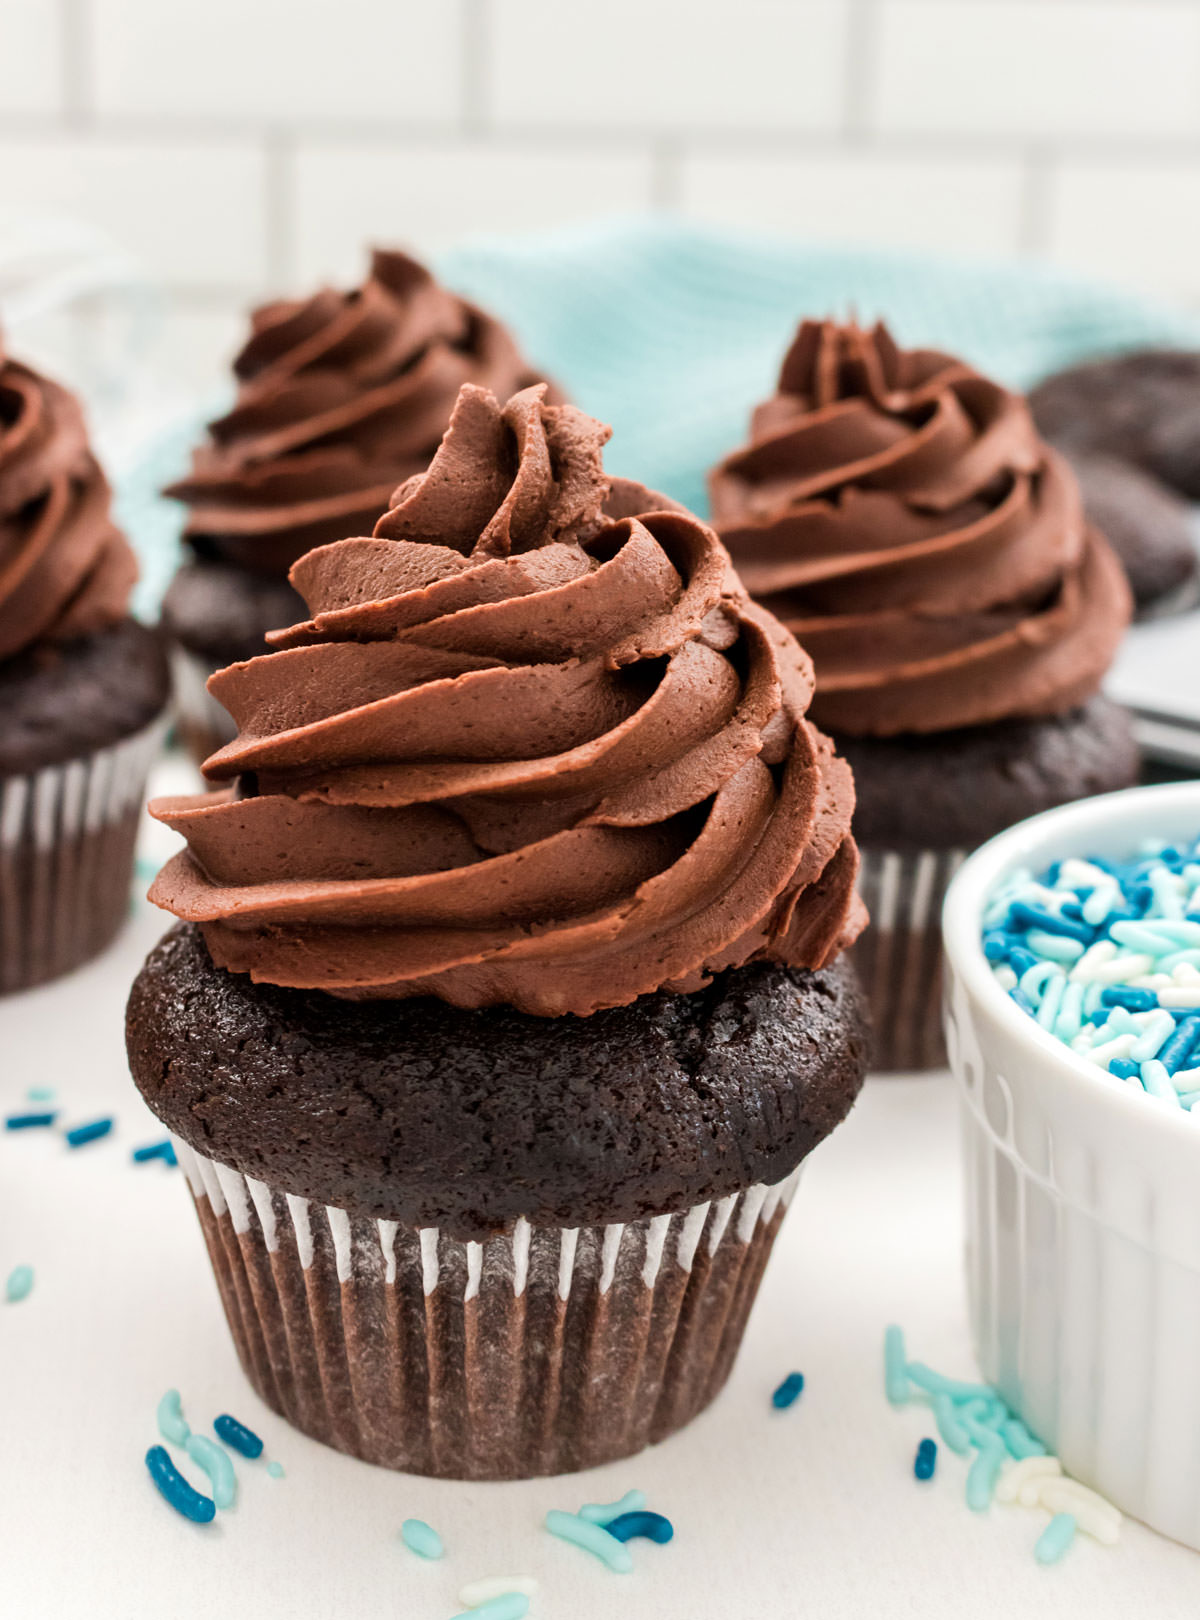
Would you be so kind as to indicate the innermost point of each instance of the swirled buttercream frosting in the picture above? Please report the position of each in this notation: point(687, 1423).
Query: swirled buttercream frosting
point(65, 568)
point(340, 397)
point(900, 514)
point(534, 746)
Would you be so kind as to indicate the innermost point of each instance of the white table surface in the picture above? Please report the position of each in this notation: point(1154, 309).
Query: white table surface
point(809, 1512)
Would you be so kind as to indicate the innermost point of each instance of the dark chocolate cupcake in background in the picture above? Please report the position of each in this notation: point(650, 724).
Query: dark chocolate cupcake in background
point(340, 397)
point(900, 514)
point(1130, 427)
point(506, 999)
point(82, 690)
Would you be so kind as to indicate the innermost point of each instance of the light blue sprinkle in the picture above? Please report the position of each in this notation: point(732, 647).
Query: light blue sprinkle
point(1100, 903)
point(172, 1424)
point(1158, 1083)
point(1092, 994)
point(275, 1469)
point(1035, 979)
point(937, 1384)
point(1166, 896)
point(19, 1285)
point(1055, 1539)
point(508, 1606)
point(895, 1370)
point(950, 1429)
point(422, 1539)
point(215, 1462)
point(1159, 1029)
point(605, 1512)
point(1070, 1015)
point(983, 1474)
point(591, 1537)
point(40, 1093)
point(1051, 1002)
point(1188, 958)
point(1056, 947)
point(1019, 1441)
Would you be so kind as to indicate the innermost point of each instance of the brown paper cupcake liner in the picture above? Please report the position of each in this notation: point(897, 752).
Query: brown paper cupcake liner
point(203, 724)
point(67, 836)
point(899, 957)
point(538, 1352)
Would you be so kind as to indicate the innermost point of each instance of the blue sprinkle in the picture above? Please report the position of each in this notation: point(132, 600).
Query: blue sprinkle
point(997, 944)
point(650, 1525)
point(19, 1284)
point(83, 1134)
point(238, 1436)
point(1021, 960)
point(1177, 1048)
point(176, 1490)
point(156, 1150)
point(1120, 995)
point(1055, 1539)
point(26, 1122)
point(1124, 1068)
point(926, 1459)
point(788, 1391)
point(1022, 915)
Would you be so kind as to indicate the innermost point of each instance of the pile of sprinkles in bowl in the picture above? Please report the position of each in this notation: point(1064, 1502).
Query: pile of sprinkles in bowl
point(1106, 956)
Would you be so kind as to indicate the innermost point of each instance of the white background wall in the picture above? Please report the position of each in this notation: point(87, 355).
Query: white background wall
point(244, 145)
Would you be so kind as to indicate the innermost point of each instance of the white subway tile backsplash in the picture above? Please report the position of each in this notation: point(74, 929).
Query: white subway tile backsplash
point(430, 194)
point(192, 211)
point(632, 65)
point(1133, 221)
point(1037, 67)
point(279, 61)
point(31, 72)
point(958, 205)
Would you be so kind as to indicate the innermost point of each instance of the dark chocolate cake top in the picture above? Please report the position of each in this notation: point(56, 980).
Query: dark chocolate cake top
point(529, 749)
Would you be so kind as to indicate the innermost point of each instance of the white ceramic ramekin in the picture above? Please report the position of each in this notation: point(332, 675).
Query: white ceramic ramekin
point(1083, 1201)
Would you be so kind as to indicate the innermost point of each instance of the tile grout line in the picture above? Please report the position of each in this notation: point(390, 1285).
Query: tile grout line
point(475, 22)
point(1033, 224)
point(862, 31)
point(279, 207)
point(77, 64)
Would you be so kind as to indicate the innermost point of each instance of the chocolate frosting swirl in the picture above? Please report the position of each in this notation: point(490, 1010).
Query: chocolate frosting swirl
point(534, 746)
point(340, 396)
point(900, 514)
point(65, 568)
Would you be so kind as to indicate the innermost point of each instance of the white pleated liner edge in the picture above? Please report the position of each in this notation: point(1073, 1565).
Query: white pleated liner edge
point(81, 796)
point(193, 701)
point(229, 1191)
point(923, 891)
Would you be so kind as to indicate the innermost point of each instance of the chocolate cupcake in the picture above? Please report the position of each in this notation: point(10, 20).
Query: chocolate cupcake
point(340, 397)
point(82, 690)
point(506, 999)
point(1131, 429)
point(901, 516)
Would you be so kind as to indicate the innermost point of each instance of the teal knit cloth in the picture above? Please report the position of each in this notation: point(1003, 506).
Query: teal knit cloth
point(672, 331)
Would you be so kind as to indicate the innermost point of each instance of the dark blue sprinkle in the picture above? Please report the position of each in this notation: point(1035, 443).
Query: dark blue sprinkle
point(1120, 995)
point(1141, 897)
point(788, 1391)
point(1052, 874)
point(25, 1122)
point(88, 1133)
point(176, 1490)
point(1022, 915)
point(1177, 1048)
point(237, 1435)
point(926, 1459)
point(1072, 909)
point(156, 1150)
point(1021, 959)
point(651, 1525)
point(1100, 1016)
point(1124, 1068)
point(997, 944)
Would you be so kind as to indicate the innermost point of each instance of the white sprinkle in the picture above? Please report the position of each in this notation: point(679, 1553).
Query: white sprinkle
point(1016, 1474)
point(1122, 969)
point(1119, 1048)
point(1005, 977)
point(1084, 971)
point(1179, 997)
point(1093, 1514)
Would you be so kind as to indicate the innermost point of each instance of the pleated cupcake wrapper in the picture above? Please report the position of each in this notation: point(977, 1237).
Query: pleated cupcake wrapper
point(541, 1351)
point(67, 836)
point(204, 724)
point(899, 957)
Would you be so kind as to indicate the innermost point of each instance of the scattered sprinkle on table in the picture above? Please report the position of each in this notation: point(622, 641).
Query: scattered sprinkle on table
point(28, 1122)
point(591, 1537)
point(507, 1606)
point(651, 1526)
point(1105, 955)
point(208, 1455)
point(237, 1435)
point(422, 1539)
point(1009, 1464)
point(605, 1512)
point(19, 1285)
point(39, 1093)
point(275, 1469)
point(1055, 1539)
point(155, 1150)
point(80, 1135)
point(172, 1424)
point(476, 1593)
point(788, 1392)
point(175, 1489)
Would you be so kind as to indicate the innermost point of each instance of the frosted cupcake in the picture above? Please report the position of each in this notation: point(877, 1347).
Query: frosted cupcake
point(340, 396)
point(82, 689)
point(900, 514)
point(506, 1000)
